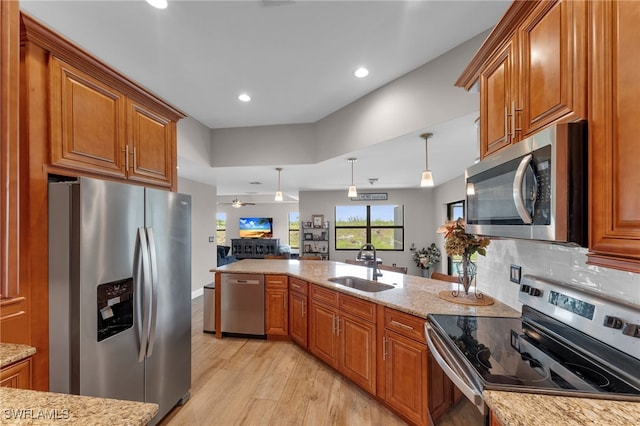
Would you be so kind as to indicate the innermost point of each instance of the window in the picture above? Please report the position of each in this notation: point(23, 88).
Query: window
point(454, 212)
point(221, 229)
point(380, 225)
point(294, 230)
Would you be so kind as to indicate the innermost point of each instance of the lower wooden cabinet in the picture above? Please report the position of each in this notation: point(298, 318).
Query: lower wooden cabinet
point(410, 380)
point(342, 332)
point(405, 376)
point(298, 311)
point(17, 375)
point(494, 420)
point(276, 305)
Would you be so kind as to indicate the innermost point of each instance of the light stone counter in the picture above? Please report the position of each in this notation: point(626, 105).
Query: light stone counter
point(13, 352)
point(521, 409)
point(414, 295)
point(27, 407)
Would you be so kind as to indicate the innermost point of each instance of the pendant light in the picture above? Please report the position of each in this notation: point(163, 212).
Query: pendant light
point(427, 178)
point(352, 189)
point(278, 192)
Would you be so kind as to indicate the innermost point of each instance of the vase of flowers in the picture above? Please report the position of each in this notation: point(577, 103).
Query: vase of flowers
point(425, 258)
point(459, 243)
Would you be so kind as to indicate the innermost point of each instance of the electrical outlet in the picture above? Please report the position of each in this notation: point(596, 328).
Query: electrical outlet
point(210, 239)
point(515, 274)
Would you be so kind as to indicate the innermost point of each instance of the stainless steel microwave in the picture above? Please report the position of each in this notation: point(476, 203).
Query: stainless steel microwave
point(535, 189)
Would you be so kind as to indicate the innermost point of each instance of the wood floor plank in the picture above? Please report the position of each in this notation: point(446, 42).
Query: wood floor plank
point(248, 382)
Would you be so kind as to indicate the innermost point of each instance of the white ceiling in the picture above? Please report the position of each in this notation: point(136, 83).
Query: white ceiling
point(295, 59)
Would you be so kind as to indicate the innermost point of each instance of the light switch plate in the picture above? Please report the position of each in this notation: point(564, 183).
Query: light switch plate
point(210, 239)
point(515, 274)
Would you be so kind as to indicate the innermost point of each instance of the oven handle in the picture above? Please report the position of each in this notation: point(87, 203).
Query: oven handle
point(518, 197)
point(472, 394)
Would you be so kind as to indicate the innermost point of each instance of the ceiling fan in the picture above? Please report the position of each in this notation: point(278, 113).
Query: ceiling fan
point(236, 203)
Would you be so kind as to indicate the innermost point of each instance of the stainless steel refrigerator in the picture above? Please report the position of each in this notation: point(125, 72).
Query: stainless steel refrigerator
point(120, 292)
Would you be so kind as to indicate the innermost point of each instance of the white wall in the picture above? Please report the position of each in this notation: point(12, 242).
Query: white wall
point(420, 224)
point(278, 211)
point(194, 141)
point(417, 100)
point(203, 226)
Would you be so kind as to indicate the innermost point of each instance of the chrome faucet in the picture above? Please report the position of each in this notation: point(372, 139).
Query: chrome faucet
point(376, 273)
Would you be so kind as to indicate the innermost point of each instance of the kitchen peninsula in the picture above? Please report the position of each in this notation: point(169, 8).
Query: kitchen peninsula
point(375, 339)
point(402, 307)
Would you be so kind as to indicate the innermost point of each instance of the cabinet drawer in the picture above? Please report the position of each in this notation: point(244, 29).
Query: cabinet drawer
point(298, 285)
point(17, 375)
point(324, 295)
point(273, 282)
point(357, 307)
point(405, 324)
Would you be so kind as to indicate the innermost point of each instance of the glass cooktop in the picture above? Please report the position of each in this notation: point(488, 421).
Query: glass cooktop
point(516, 354)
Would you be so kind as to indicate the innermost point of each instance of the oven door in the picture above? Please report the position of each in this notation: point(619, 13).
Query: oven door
point(466, 381)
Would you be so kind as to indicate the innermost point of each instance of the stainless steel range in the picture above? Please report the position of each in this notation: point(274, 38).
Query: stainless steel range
point(567, 342)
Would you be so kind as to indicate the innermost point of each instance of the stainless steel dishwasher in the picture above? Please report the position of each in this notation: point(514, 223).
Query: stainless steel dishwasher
point(242, 304)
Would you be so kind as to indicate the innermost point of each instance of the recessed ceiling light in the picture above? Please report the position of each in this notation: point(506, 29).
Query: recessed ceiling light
point(361, 72)
point(244, 97)
point(158, 4)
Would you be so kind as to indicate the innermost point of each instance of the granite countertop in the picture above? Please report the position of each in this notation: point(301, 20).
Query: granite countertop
point(21, 406)
point(25, 407)
point(526, 409)
point(414, 295)
point(13, 352)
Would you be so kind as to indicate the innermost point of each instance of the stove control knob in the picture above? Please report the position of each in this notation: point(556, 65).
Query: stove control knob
point(525, 288)
point(632, 330)
point(612, 322)
point(536, 292)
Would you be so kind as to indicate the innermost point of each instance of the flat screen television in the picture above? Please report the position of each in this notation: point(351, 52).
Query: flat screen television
point(256, 227)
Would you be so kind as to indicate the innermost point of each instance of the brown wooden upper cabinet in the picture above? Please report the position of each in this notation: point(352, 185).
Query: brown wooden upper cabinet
point(531, 71)
point(96, 128)
point(614, 151)
point(101, 123)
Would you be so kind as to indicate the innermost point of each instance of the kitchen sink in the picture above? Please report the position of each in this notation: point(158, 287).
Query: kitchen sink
point(361, 284)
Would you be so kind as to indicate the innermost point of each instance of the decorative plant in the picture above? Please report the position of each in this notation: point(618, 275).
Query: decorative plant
point(425, 257)
point(458, 243)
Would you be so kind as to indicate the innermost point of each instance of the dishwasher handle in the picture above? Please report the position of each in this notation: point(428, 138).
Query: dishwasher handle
point(239, 281)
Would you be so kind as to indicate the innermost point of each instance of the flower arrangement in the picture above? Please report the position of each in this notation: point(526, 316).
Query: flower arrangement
point(458, 243)
point(425, 257)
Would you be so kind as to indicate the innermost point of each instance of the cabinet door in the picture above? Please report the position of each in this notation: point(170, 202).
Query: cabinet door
point(613, 135)
point(497, 93)
point(358, 351)
point(87, 122)
point(440, 389)
point(323, 340)
point(276, 312)
point(552, 77)
point(152, 146)
point(405, 367)
point(298, 318)
point(17, 375)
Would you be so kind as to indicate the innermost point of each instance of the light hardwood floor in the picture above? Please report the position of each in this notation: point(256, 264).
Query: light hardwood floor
point(257, 382)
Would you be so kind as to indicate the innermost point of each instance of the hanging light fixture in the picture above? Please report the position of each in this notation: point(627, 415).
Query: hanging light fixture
point(278, 192)
point(427, 178)
point(352, 189)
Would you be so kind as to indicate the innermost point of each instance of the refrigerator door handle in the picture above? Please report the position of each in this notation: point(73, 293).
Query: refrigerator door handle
point(145, 292)
point(154, 291)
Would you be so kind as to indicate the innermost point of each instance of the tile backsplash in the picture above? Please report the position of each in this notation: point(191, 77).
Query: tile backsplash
point(561, 263)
